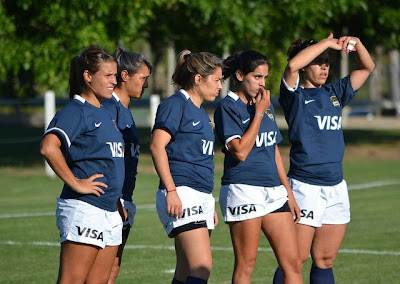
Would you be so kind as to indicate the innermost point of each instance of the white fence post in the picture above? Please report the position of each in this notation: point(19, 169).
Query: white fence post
point(49, 112)
point(154, 102)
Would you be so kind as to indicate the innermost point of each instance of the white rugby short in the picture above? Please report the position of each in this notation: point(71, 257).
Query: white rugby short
point(82, 222)
point(241, 202)
point(130, 208)
point(321, 204)
point(197, 206)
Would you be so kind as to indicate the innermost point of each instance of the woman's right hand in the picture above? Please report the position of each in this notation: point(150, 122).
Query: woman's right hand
point(174, 204)
point(262, 101)
point(89, 185)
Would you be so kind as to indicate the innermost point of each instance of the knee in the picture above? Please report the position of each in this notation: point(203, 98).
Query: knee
point(294, 265)
point(245, 266)
point(201, 271)
point(324, 262)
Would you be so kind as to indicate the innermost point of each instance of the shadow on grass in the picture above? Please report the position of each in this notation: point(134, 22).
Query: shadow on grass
point(19, 145)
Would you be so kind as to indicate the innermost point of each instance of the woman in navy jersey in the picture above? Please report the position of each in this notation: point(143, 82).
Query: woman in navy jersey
point(313, 112)
point(133, 71)
point(86, 150)
point(255, 194)
point(182, 148)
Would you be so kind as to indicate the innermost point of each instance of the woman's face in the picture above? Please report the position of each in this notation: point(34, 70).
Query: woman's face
point(137, 82)
point(210, 86)
point(316, 73)
point(102, 82)
point(253, 81)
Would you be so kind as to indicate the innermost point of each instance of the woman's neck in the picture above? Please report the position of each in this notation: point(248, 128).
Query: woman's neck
point(123, 96)
point(92, 99)
point(244, 97)
point(195, 97)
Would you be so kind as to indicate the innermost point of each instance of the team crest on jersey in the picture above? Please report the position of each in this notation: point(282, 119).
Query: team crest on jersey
point(270, 114)
point(335, 101)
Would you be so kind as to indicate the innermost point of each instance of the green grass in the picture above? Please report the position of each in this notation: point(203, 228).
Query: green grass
point(29, 251)
point(374, 227)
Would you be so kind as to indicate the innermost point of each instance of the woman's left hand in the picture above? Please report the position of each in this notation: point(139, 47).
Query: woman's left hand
point(215, 219)
point(294, 208)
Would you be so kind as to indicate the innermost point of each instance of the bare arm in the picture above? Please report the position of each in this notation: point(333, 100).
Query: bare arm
point(159, 141)
point(50, 149)
point(294, 208)
point(240, 148)
point(306, 56)
point(364, 62)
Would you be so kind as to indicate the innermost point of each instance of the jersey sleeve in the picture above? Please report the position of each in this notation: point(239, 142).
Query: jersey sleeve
point(287, 94)
point(228, 125)
point(68, 123)
point(343, 90)
point(169, 116)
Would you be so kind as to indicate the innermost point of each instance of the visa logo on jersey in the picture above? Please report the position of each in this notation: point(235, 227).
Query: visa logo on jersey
point(328, 122)
point(266, 139)
point(208, 147)
point(117, 150)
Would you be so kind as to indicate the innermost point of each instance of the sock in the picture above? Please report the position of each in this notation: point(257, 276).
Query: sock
point(278, 276)
point(321, 276)
point(195, 280)
point(174, 281)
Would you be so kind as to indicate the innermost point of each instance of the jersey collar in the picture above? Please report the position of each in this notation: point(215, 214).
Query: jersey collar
point(79, 98)
point(115, 96)
point(233, 95)
point(185, 94)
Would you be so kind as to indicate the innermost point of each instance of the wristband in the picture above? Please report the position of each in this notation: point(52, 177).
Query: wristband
point(259, 114)
point(172, 190)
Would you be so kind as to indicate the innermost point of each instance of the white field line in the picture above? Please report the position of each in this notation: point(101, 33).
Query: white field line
point(152, 207)
point(373, 184)
point(171, 248)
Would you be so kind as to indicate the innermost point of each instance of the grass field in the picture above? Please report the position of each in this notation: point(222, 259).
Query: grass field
point(370, 253)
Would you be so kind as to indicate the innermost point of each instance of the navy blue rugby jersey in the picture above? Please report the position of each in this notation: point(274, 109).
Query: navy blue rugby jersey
point(91, 144)
point(191, 149)
point(124, 120)
point(314, 117)
point(232, 118)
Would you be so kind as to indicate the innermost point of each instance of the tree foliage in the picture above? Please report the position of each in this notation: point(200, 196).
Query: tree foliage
point(40, 37)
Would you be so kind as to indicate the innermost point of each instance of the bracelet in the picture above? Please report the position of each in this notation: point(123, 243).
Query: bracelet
point(259, 114)
point(171, 190)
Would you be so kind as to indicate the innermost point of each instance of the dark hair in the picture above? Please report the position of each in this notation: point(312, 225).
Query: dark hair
point(129, 61)
point(247, 62)
point(189, 64)
point(298, 46)
point(90, 59)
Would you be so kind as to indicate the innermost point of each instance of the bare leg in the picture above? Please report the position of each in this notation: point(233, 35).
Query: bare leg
point(117, 261)
point(182, 266)
point(101, 269)
point(76, 260)
point(245, 239)
point(193, 251)
point(281, 233)
point(326, 244)
point(305, 235)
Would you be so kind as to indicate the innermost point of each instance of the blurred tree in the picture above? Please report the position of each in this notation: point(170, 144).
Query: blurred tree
point(40, 37)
